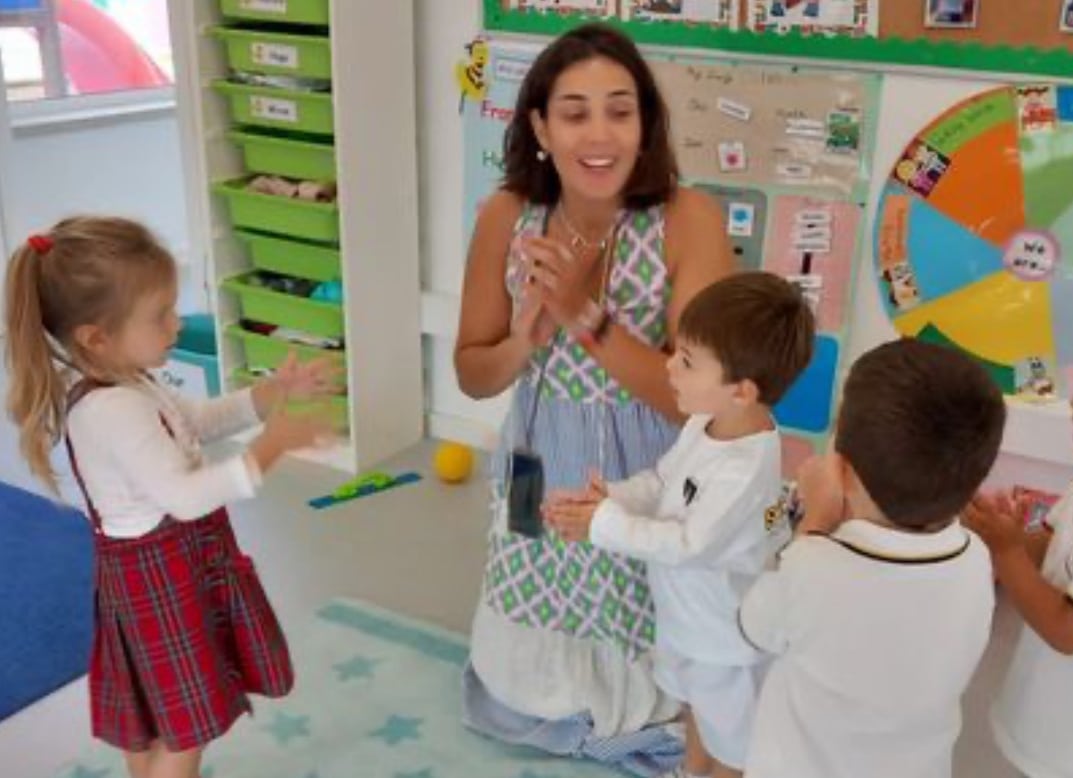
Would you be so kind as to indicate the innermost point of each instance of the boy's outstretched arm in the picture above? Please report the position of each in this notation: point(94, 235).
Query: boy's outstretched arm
point(710, 520)
point(1045, 608)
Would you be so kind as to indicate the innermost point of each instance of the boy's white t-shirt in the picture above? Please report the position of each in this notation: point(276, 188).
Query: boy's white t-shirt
point(1031, 714)
point(137, 472)
point(877, 633)
point(698, 520)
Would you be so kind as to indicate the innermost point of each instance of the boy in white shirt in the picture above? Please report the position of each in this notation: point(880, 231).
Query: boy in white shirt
point(880, 609)
point(1036, 570)
point(700, 518)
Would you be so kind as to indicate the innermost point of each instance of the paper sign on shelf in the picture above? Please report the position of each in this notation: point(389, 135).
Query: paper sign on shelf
point(274, 109)
point(264, 6)
point(274, 55)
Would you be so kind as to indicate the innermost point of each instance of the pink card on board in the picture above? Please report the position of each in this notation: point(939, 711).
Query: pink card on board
point(812, 243)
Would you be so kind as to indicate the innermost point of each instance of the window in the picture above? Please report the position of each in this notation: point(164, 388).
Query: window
point(62, 48)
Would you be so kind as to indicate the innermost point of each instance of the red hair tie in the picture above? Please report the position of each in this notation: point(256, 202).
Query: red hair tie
point(42, 244)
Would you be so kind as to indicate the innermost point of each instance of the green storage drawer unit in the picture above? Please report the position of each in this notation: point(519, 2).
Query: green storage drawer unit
point(290, 257)
point(268, 352)
point(287, 155)
point(282, 11)
point(336, 408)
point(288, 109)
point(267, 51)
point(262, 304)
point(279, 215)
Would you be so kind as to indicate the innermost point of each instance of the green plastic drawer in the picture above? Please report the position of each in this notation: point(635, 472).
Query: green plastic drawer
point(283, 11)
point(292, 258)
point(336, 408)
point(280, 215)
point(283, 155)
point(288, 109)
point(268, 352)
point(264, 51)
point(262, 304)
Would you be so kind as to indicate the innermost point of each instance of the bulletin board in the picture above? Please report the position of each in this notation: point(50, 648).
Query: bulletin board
point(974, 236)
point(1007, 36)
point(787, 153)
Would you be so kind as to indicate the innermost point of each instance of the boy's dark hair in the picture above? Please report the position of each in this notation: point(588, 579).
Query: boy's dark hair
point(655, 175)
point(921, 426)
point(759, 327)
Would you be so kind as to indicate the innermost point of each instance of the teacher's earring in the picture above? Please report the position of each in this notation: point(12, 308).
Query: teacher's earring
point(542, 155)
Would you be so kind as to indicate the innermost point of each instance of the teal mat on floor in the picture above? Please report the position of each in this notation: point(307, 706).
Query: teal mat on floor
point(377, 696)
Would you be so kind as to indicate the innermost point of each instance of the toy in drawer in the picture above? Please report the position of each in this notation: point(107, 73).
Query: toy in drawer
point(283, 301)
point(313, 12)
point(286, 154)
point(279, 215)
point(268, 51)
point(271, 106)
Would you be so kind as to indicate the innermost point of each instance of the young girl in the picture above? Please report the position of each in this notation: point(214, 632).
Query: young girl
point(183, 628)
point(1036, 569)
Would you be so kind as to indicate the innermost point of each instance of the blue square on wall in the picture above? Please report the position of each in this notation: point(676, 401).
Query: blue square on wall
point(13, 6)
point(806, 406)
point(1065, 103)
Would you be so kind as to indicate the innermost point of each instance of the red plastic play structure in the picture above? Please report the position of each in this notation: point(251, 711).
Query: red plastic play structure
point(98, 54)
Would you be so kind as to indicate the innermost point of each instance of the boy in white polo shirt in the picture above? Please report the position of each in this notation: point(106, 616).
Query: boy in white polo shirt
point(1036, 570)
point(881, 607)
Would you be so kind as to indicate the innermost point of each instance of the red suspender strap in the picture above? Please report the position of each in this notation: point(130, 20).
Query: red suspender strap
point(79, 391)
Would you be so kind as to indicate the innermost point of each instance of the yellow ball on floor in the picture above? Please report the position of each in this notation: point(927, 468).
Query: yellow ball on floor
point(453, 462)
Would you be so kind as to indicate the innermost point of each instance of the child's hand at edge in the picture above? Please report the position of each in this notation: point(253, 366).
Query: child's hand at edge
point(819, 487)
point(996, 519)
point(571, 519)
point(284, 432)
point(295, 380)
point(597, 485)
point(594, 491)
point(308, 380)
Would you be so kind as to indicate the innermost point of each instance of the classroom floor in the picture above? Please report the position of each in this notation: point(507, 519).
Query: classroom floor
point(417, 550)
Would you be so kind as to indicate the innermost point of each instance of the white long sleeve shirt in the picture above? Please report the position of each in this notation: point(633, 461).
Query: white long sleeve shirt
point(698, 520)
point(136, 473)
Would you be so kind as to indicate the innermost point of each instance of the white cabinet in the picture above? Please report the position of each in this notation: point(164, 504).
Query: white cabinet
point(361, 133)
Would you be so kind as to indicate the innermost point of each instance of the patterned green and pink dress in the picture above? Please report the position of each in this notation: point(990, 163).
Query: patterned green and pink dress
point(560, 642)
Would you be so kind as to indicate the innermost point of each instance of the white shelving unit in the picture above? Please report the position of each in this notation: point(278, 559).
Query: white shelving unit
point(374, 103)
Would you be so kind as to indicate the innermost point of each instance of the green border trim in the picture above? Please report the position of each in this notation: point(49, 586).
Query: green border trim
point(879, 51)
point(428, 640)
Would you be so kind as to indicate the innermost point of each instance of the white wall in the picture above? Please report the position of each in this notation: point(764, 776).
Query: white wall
point(124, 165)
point(120, 165)
point(443, 30)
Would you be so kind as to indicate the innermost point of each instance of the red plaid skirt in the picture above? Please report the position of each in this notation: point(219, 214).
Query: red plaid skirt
point(184, 632)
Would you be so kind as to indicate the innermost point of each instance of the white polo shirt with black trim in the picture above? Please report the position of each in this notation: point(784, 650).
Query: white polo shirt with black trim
point(877, 633)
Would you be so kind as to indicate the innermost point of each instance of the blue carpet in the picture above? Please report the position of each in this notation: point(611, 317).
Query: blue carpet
point(46, 597)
